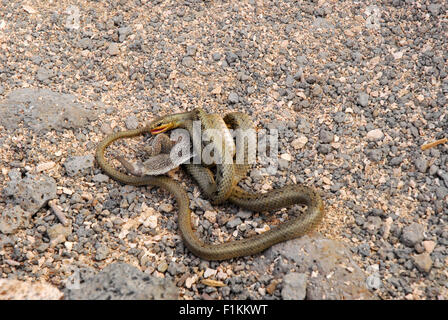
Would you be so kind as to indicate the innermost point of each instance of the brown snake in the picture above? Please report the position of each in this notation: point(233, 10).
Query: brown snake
point(271, 200)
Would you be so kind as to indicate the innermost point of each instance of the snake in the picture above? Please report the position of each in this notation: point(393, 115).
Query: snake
point(260, 202)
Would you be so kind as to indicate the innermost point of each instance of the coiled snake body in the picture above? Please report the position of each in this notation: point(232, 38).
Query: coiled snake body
point(224, 188)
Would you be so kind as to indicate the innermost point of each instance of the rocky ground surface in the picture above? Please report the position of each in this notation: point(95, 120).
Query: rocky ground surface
point(353, 88)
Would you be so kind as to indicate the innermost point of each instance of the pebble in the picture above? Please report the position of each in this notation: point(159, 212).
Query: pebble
point(210, 216)
point(162, 267)
point(150, 222)
point(373, 282)
point(234, 222)
point(423, 262)
point(100, 178)
point(58, 233)
point(45, 166)
point(210, 273)
point(113, 49)
point(429, 245)
point(363, 99)
point(412, 234)
point(131, 122)
point(421, 164)
point(166, 207)
point(102, 253)
point(299, 143)
point(233, 97)
point(326, 136)
point(188, 61)
point(375, 135)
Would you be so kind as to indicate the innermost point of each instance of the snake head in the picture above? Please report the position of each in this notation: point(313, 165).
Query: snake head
point(162, 124)
point(168, 122)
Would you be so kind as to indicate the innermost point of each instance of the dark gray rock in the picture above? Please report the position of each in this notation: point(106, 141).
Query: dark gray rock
point(43, 110)
point(121, 281)
point(337, 275)
point(32, 192)
point(78, 164)
point(234, 222)
point(13, 218)
point(412, 234)
point(326, 136)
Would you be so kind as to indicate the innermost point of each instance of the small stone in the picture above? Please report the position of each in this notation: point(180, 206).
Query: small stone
point(100, 178)
point(78, 164)
point(190, 281)
point(106, 128)
point(162, 267)
point(233, 223)
point(423, 262)
point(375, 135)
point(326, 136)
point(166, 207)
point(216, 56)
point(363, 99)
point(286, 156)
point(58, 233)
point(231, 57)
point(44, 74)
point(210, 216)
point(45, 166)
point(270, 289)
point(113, 49)
point(299, 143)
point(191, 50)
point(412, 234)
point(373, 282)
point(375, 155)
point(429, 245)
point(210, 272)
point(29, 9)
point(188, 61)
point(324, 148)
point(123, 32)
point(294, 286)
point(244, 214)
point(101, 253)
point(233, 97)
point(131, 122)
point(150, 222)
point(421, 164)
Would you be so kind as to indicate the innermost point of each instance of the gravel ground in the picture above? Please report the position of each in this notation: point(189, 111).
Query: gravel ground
point(354, 88)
